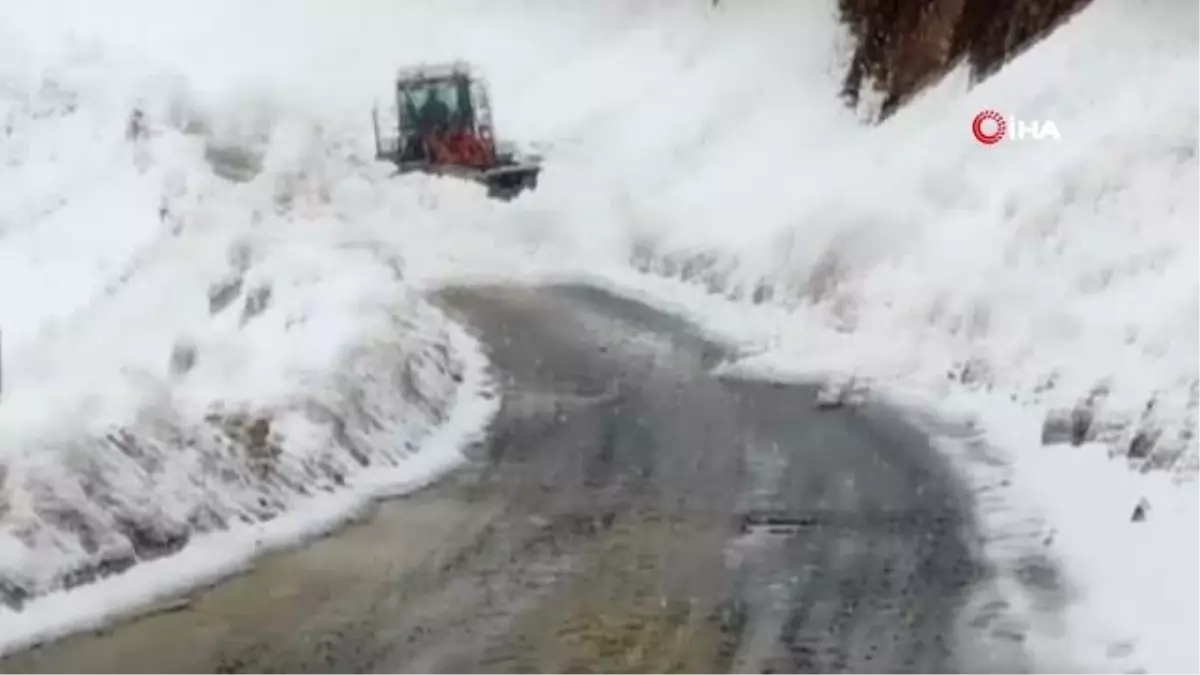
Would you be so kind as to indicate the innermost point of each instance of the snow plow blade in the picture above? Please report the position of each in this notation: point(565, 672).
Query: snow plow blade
point(502, 182)
point(506, 182)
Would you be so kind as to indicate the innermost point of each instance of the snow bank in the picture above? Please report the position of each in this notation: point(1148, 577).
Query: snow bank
point(1048, 269)
point(209, 332)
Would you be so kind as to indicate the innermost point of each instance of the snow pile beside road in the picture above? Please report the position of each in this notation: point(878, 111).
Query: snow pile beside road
point(186, 355)
point(1059, 273)
point(1052, 271)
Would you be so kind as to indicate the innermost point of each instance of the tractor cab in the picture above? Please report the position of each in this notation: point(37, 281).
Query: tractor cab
point(441, 122)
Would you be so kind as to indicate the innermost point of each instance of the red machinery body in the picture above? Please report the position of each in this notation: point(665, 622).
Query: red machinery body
point(460, 148)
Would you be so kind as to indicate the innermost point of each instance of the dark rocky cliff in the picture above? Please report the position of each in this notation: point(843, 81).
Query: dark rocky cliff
point(901, 46)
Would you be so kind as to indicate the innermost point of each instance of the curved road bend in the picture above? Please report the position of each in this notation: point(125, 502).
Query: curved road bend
point(631, 513)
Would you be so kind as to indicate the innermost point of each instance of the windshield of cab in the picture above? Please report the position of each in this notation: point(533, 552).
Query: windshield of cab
point(428, 101)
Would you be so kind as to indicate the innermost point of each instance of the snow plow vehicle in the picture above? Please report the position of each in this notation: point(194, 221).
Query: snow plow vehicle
point(440, 122)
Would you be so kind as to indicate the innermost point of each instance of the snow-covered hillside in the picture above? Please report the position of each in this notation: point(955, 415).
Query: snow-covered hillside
point(696, 155)
point(191, 361)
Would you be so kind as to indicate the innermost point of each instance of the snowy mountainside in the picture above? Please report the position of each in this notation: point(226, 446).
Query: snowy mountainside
point(185, 354)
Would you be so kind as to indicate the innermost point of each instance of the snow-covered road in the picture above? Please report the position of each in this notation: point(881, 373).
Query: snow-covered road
point(697, 157)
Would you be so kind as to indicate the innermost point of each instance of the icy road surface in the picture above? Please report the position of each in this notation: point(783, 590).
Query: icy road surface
point(631, 513)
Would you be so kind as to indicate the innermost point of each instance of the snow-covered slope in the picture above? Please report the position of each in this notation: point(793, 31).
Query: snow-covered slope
point(699, 144)
point(191, 362)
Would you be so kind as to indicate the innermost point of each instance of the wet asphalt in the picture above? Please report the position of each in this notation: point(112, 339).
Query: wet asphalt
point(630, 513)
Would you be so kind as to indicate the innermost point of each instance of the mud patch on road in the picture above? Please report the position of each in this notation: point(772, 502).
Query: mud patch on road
point(629, 616)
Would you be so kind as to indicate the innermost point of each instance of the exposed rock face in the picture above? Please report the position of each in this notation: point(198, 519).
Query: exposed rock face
point(904, 45)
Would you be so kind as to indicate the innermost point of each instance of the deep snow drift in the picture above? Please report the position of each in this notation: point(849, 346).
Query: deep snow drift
point(706, 146)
